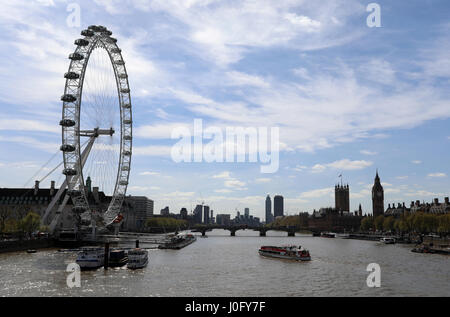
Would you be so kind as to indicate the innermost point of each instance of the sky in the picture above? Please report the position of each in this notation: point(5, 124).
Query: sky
point(348, 99)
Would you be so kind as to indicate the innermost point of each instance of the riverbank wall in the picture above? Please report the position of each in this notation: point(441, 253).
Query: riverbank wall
point(22, 245)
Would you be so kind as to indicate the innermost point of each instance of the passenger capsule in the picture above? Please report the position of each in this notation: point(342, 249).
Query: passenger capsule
point(126, 106)
point(123, 75)
point(127, 121)
point(128, 137)
point(69, 171)
point(127, 153)
point(87, 33)
point(71, 75)
point(76, 56)
point(116, 50)
point(123, 183)
point(68, 98)
point(67, 148)
point(107, 33)
point(125, 90)
point(111, 40)
point(119, 62)
point(67, 123)
point(96, 28)
point(125, 168)
point(81, 42)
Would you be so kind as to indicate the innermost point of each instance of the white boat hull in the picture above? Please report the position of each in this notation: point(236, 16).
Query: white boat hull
point(87, 264)
point(91, 258)
point(137, 259)
point(287, 257)
point(137, 265)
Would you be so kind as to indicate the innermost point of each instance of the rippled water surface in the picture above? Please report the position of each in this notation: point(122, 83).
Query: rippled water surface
point(230, 266)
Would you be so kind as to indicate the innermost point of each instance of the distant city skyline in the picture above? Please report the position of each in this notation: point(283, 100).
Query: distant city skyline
point(348, 99)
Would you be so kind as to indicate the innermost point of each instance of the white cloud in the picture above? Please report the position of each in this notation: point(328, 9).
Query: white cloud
point(300, 168)
point(46, 3)
point(160, 113)
point(305, 22)
point(344, 164)
point(224, 174)
point(223, 191)
point(235, 184)
point(178, 194)
point(137, 189)
point(149, 173)
point(33, 143)
point(346, 107)
point(379, 71)
point(242, 79)
point(363, 193)
point(366, 152)
point(317, 193)
point(318, 168)
point(159, 130)
point(224, 31)
point(301, 72)
point(423, 194)
point(437, 175)
point(416, 162)
point(263, 180)
point(29, 125)
point(152, 150)
point(230, 182)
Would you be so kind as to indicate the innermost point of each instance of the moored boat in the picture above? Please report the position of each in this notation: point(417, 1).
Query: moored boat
point(91, 258)
point(328, 235)
point(387, 240)
point(137, 258)
point(117, 258)
point(286, 252)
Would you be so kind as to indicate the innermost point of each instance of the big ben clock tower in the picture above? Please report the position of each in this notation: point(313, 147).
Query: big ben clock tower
point(377, 197)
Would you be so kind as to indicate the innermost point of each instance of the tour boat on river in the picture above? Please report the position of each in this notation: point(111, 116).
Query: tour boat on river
point(178, 241)
point(291, 252)
point(91, 258)
point(137, 258)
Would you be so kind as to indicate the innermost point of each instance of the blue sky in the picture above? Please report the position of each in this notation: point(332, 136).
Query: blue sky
point(347, 98)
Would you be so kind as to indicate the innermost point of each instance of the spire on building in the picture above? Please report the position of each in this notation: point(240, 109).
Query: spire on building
point(377, 197)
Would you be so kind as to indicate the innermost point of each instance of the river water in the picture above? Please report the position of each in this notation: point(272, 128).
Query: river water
point(221, 265)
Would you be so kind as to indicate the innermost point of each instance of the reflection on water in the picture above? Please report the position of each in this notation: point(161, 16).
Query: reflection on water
point(221, 265)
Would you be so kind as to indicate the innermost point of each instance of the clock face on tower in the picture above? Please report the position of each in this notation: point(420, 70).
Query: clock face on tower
point(379, 194)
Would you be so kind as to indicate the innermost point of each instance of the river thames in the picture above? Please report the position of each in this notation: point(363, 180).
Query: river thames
point(220, 265)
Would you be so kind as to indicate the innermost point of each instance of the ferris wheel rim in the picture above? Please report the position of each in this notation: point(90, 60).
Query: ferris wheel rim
point(94, 37)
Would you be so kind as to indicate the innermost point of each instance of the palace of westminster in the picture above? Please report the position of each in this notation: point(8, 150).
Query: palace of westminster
point(342, 202)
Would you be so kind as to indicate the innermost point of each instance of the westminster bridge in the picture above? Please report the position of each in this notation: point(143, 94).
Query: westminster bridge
point(291, 230)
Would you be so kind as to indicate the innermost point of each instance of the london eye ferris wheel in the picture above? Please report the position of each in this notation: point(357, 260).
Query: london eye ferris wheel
point(96, 122)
